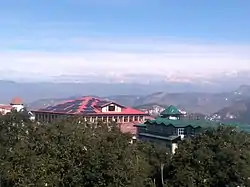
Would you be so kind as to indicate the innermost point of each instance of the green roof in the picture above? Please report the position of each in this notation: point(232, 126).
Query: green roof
point(181, 123)
point(171, 111)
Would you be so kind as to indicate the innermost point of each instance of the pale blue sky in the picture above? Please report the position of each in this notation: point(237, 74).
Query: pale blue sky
point(72, 36)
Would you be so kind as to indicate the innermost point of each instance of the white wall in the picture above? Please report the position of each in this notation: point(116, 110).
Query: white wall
point(4, 111)
point(174, 147)
point(117, 108)
point(18, 108)
point(173, 118)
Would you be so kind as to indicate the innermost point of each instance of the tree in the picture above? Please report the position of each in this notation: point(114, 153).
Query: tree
point(23, 115)
point(156, 156)
point(67, 153)
point(218, 157)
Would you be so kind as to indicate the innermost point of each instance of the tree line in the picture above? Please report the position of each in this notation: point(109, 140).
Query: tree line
point(74, 153)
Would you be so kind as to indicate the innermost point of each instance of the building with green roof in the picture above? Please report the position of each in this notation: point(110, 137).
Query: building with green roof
point(171, 127)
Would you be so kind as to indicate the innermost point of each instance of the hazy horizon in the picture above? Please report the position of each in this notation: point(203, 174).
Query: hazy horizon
point(160, 37)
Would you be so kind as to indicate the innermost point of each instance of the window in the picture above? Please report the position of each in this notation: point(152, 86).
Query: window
point(192, 131)
point(181, 131)
point(110, 118)
point(126, 119)
point(136, 118)
point(141, 118)
point(130, 118)
point(111, 108)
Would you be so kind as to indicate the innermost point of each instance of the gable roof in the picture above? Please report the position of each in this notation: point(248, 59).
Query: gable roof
point(181, 123)
point(171, 111)
point(106, 103)
point(87, 106)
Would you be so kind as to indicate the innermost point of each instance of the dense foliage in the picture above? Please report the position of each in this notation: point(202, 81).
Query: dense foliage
point(73, 153)
point(218, 157)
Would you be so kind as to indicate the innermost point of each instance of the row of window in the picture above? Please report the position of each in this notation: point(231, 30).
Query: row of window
point(50, 117)
point(181, 131)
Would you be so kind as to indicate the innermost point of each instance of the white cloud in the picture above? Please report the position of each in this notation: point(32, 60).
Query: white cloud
point(127, 55)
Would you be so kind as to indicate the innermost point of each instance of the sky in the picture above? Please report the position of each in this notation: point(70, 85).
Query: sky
point(77, 37)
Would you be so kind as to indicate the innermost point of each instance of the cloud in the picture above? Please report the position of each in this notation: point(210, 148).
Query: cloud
point(81, 55)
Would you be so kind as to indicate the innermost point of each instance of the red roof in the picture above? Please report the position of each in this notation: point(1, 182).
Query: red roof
point(16, 101)
point(5, 107)
point(89, 106)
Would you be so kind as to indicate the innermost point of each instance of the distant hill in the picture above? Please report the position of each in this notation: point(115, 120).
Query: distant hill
point(150, 105)
point(202, 103)
point(33, 91)
point(206, 103)
point(128, 100)
point(243, 90)
point(236, 112)
point(43, 103)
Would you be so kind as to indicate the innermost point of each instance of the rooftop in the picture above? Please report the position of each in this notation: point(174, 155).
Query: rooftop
point(88, 106)
point(181, 123)
point(5, 107)
point(171, 111)
point(16, 101)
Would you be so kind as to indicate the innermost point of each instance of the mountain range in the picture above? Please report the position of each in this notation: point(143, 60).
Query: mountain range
point(194, 102)
point(32, 87)
point(195, 98)
point(31, 91)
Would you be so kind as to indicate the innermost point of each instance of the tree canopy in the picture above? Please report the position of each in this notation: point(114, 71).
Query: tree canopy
point(218, 157)
point(71, 153)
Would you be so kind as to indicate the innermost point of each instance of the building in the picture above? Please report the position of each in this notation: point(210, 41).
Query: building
point(170, 128)
point(17, 104)
point(4, 109)
point(94, 109)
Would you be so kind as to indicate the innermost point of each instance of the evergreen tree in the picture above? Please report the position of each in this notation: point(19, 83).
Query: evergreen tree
point(69, 153)
point(218, 157)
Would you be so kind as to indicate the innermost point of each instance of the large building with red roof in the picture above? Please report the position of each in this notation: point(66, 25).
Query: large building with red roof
point(93, 109)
